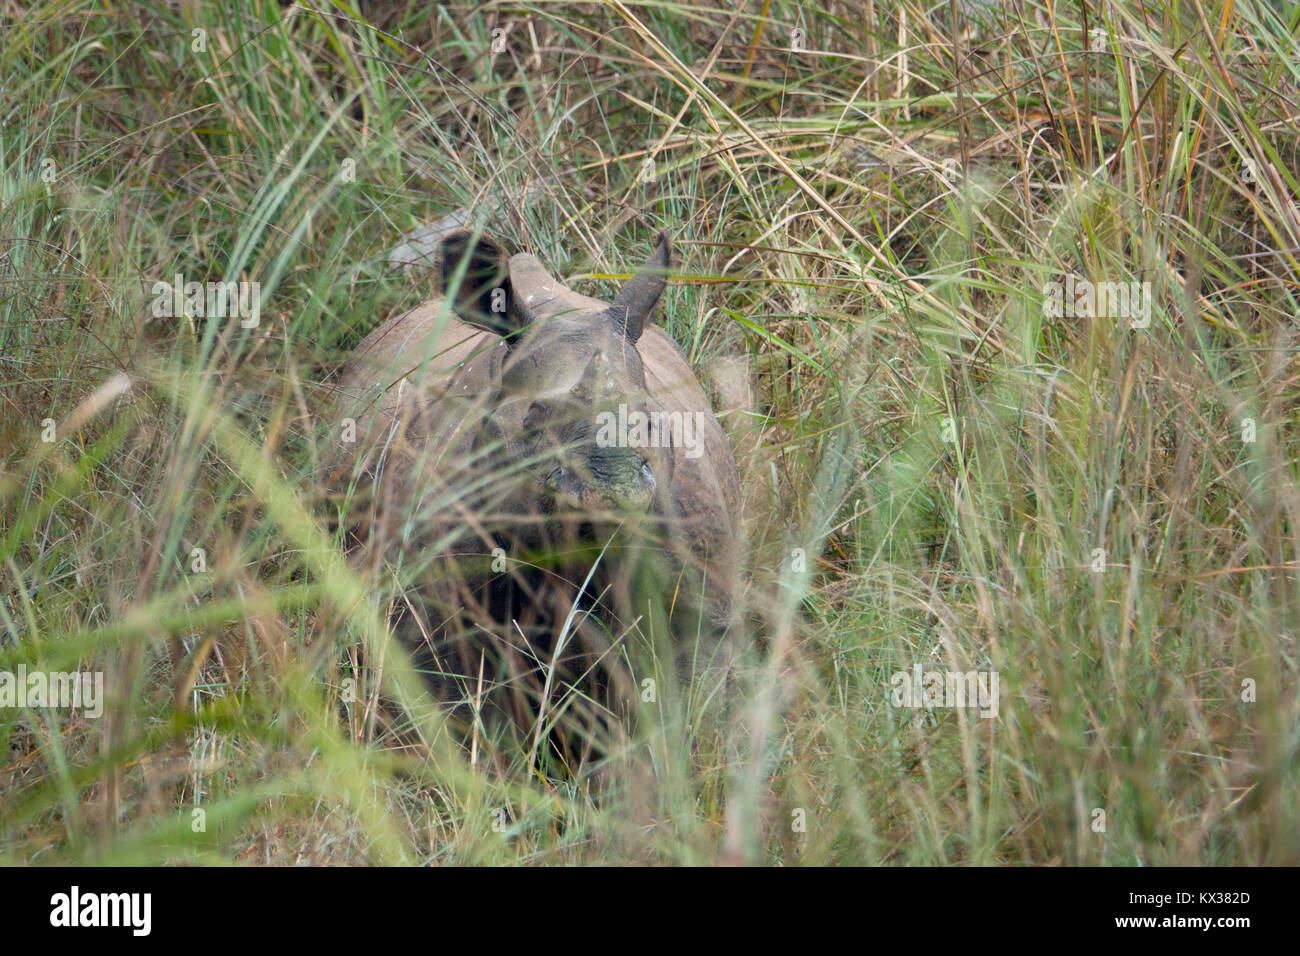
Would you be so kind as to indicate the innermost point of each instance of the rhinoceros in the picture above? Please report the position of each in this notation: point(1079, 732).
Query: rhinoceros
point(522, 454)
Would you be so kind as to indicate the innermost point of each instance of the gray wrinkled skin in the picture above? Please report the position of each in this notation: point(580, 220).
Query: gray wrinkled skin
point(476, 424)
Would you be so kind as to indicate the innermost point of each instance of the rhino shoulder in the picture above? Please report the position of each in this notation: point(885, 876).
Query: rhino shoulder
point(427, 347)
point(424, 373)
point(706, 488)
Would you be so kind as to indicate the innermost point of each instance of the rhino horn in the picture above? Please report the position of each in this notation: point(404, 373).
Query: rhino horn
point(593, 376)
point(631, 310)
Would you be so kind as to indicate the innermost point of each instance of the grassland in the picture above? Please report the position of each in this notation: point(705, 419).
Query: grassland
point(1103, 510)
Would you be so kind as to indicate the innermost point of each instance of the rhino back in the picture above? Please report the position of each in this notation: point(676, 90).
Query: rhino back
point(423, 349)
point(417, 387)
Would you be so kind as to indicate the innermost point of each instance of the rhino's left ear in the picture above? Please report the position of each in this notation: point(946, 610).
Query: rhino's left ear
point(631, 310)
point(475, 271)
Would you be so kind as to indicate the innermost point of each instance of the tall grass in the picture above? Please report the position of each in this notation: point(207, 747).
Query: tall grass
point(871, 212)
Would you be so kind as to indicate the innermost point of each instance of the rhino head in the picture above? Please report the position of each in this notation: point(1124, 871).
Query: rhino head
point(571, 370)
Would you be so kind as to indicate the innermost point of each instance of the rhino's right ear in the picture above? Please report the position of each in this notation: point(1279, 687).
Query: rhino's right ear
point(474, 270)
point(632, 309)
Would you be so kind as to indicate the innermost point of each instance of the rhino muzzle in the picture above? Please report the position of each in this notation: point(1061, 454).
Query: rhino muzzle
point(608, 480)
